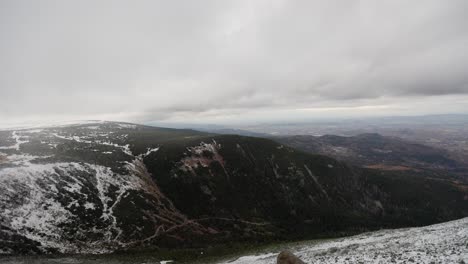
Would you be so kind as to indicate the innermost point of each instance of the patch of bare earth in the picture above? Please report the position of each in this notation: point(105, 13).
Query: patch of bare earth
point(388, 167)
point(3, 159)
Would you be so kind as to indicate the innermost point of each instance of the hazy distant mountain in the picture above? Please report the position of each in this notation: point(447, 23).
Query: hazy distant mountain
point(98, 187)
point(232, 131)
point(356, 126)
point(381, 152)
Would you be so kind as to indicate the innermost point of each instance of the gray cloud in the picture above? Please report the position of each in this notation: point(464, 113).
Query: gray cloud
point(154, 60)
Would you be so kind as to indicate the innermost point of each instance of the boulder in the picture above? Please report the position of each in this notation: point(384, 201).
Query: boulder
point(286, 257)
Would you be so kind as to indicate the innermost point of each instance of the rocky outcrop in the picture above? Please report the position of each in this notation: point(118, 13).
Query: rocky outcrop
point(286, 257)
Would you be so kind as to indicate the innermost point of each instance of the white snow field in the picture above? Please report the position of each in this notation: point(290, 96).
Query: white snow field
point(440, 243)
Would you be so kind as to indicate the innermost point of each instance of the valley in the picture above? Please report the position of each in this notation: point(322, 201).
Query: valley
point(102, 187)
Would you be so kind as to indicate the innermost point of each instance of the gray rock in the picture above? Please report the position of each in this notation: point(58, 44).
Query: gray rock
point(286, 257)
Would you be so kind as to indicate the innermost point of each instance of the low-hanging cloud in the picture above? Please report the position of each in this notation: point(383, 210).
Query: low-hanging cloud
point(162, 60)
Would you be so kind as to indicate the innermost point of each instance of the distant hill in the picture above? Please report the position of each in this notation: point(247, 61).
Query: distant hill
point(106, 186)
point(240, 132)
point(381, 152)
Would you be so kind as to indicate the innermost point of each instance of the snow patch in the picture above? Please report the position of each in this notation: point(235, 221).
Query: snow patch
point(440, 243)
point(89, 206)
point(31, 194)
point(92, 127)
point(130, 126)
point(18, 143)
point(315, 179)
point(124, 148)
point(150, 150)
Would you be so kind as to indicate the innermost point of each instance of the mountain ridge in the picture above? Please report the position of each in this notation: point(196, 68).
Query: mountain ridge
point(101, 187)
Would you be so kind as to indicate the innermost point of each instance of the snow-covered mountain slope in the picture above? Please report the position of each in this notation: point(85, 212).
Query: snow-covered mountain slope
point(105, 186)
point(440, 243)
point(72, 189)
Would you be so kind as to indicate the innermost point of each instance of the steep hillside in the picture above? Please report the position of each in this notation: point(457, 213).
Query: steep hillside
point(100, 187)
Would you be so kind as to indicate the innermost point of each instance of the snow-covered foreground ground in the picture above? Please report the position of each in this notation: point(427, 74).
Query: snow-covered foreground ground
point(441, 243)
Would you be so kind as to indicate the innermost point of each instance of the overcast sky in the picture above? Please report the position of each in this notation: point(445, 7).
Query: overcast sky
point(231, 61)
